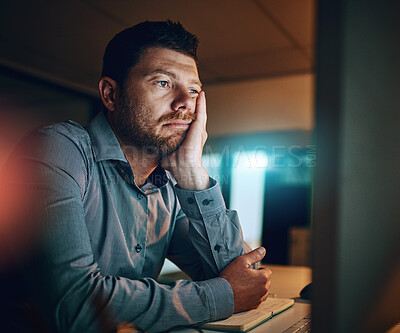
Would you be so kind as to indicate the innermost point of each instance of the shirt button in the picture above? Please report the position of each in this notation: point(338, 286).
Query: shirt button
point(217, 248)
point(140, 196)
point(138, 248)
point(206, 202)
point(190, 200)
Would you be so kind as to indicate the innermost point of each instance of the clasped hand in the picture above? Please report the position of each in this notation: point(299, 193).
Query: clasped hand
point(250, 286)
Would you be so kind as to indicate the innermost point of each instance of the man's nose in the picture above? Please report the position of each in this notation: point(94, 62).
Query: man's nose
point(183, 101)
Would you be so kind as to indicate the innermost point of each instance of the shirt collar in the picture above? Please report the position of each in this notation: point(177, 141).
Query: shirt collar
point(104, 142)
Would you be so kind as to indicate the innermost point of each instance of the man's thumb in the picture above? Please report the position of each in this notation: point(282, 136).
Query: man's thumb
point(255, 256)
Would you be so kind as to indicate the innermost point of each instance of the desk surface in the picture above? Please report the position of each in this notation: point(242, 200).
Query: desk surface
point(287, 281)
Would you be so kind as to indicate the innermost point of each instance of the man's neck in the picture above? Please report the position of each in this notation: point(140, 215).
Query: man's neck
point(141, 163)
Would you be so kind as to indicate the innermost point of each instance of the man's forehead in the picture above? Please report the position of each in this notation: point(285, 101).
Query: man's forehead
point(169, 62)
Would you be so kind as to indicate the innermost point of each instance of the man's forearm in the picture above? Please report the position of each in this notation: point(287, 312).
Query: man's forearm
point(145, 303)
point(214, 231)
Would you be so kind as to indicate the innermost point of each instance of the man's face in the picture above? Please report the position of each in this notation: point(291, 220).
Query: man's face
point(158, 102)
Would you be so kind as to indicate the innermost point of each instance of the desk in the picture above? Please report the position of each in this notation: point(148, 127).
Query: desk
point(287, 281)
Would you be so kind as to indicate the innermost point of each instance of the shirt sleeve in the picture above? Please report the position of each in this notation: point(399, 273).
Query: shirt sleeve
point(84, 300)
point(215, 235)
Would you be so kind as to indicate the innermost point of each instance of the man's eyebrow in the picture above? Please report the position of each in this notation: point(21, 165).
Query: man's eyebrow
point(170, 74)
point(161, 71)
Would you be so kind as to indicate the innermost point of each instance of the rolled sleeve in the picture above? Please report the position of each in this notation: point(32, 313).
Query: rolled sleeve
point(214, 231)
point(201, 204)
point(220, 297)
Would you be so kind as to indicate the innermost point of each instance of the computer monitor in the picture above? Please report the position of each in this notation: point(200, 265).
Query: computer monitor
point(356, 229)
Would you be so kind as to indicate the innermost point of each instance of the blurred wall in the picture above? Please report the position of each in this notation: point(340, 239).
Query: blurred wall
point(274, 104)
point(27, 103)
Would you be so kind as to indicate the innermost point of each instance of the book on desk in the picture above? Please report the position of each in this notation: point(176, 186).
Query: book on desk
point(247, 320)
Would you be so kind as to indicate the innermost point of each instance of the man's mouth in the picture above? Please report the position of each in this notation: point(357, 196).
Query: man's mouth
point(177, 121)
point(178, 124)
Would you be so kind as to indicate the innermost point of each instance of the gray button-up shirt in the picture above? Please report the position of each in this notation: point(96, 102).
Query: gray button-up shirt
point(107, 239)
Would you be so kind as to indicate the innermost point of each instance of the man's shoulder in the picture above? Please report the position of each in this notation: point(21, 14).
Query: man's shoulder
point(67, 130)
point(66, 135)
point(64, 147)
point(61, 143)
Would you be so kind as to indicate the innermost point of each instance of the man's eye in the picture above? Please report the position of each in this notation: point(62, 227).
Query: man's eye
point(193, 91)
point(163, 84)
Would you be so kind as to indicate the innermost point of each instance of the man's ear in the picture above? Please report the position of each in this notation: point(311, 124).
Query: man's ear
point(108, 92)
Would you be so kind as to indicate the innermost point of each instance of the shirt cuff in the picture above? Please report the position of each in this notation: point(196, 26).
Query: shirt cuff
point(198, 204)
point(220, 297)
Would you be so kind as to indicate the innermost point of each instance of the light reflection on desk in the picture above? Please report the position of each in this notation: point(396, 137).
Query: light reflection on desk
point(287, 281)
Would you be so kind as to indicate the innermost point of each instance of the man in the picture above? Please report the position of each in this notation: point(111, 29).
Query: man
point(130, 190)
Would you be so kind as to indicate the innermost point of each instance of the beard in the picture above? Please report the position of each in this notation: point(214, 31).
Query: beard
point(136, 126)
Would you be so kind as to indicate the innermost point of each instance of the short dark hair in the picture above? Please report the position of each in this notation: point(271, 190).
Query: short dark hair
point(128, 46)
